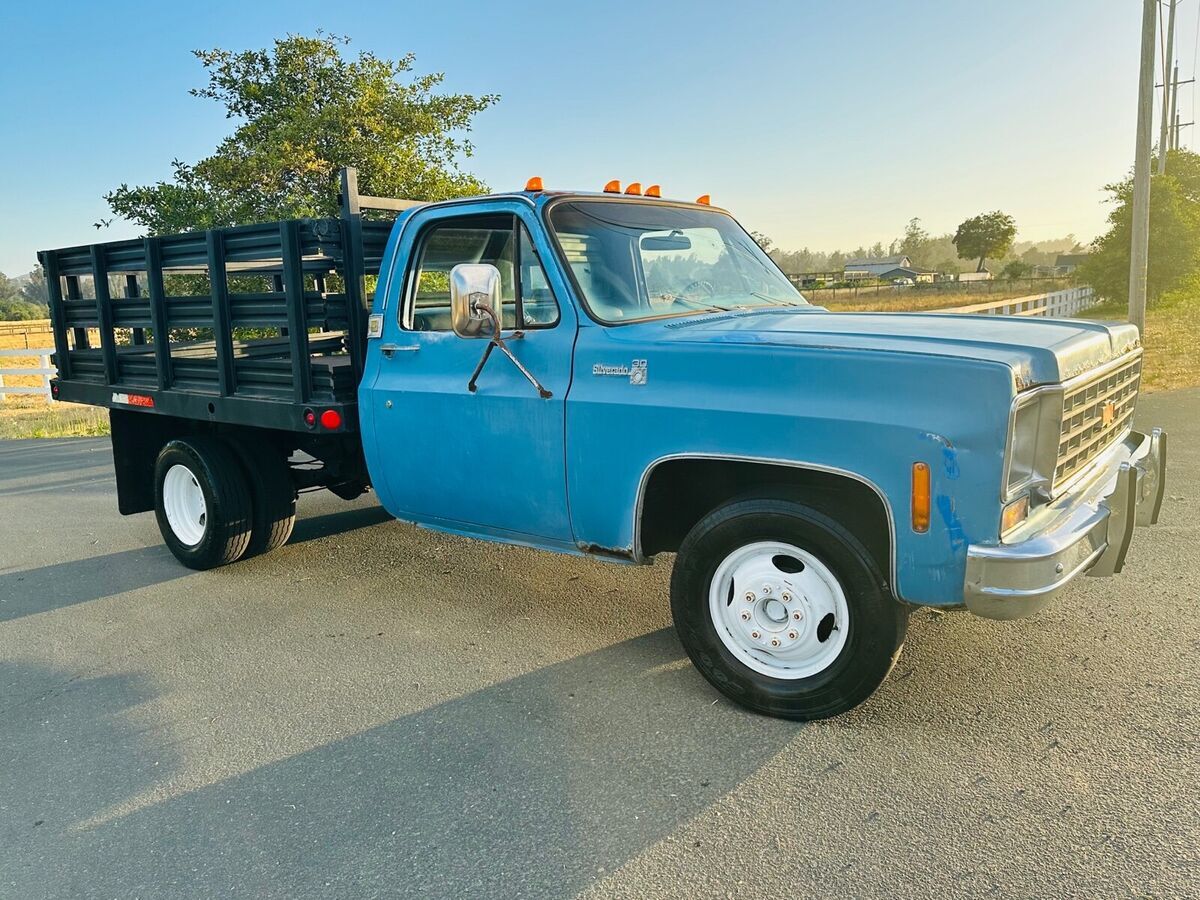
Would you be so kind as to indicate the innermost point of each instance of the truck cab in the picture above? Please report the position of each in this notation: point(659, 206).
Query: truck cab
point(621, 376)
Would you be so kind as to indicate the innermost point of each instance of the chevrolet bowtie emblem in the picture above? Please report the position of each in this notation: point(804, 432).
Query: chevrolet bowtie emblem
point(1108, 413)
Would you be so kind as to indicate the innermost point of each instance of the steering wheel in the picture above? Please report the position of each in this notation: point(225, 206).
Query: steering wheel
point(699, 283)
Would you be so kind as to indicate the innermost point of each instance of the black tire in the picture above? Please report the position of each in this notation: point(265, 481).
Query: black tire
point(227, 520)
point(272, 494)
point(876, 627)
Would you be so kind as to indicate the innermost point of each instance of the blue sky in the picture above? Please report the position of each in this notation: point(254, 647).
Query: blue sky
point(821, 124)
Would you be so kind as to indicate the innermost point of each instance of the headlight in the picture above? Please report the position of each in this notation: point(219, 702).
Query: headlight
point(1035, 425)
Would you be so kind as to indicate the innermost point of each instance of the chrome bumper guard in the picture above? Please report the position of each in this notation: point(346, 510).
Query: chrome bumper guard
point(1087, 530)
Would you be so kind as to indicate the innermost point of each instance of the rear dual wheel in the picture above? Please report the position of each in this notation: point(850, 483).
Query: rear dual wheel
point(218, 501)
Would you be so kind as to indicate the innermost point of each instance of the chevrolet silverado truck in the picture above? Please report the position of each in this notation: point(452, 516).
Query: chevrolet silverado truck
point(616, 375)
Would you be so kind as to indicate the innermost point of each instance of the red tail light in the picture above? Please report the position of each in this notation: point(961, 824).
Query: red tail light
point(310, 418)
point(331, 419)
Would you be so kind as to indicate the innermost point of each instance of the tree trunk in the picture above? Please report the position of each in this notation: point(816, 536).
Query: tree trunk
point(979, 268)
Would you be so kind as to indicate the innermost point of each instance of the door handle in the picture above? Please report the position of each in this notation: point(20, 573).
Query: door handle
point(389, 350)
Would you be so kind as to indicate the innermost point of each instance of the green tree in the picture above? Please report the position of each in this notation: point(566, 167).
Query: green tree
point(915, 242)
point(303, 111)
point(1174, 232)
point(34, 290)
point(989, 235)
point(1016, 268)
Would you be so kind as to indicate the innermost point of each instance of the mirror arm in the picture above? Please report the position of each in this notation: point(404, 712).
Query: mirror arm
point(498, 341)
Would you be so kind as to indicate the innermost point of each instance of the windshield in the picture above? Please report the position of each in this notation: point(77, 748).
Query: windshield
point(635, 260)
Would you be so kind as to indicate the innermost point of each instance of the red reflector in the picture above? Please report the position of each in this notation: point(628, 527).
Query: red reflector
point(331, 419)
point(141, 400)
point(310, 418)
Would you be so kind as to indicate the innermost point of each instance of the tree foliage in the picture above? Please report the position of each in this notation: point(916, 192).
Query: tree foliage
point(15, 305)
point(305, 109)
point(986, 236)
point(1174, 232)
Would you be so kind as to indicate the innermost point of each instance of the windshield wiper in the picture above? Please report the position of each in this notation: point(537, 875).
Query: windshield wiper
point(775, 300)
point(696, 305)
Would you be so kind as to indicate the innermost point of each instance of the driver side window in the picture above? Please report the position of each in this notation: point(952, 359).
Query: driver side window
point(501, 241)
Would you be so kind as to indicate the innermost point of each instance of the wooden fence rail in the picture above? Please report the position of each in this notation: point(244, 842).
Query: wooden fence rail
point(1056, 303)
point(43, 369)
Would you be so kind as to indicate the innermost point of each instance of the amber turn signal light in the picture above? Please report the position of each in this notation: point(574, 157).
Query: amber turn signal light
point(1014, 514)
point(920, 497)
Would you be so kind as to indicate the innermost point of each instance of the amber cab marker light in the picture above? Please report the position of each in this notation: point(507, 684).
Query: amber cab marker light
point(613, 187)
point(920, 497)
point(635, 188)
point(704, 200)
point(653, 191)
point(534, 184)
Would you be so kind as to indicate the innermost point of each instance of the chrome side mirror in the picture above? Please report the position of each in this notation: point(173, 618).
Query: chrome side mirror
point(474, 299)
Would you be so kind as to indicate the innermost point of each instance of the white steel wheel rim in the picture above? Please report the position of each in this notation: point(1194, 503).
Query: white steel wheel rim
point(183, 502)
point(779, 622)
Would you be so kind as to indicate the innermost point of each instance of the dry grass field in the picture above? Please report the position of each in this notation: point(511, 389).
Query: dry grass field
point(27, 416)
point(1172, 341)
point(908, 300)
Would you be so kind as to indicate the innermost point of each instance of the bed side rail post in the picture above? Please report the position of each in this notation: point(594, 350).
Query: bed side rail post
point(58, 314)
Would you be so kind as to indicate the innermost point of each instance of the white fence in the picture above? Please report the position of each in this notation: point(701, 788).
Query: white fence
point(43, 368)
point(1057, 303)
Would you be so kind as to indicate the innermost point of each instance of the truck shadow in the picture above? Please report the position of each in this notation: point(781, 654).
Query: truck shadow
point(32, 591)
point(69, 752)
point(537, 786)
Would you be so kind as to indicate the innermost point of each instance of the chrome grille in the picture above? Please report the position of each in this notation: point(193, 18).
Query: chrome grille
point(1096, 412)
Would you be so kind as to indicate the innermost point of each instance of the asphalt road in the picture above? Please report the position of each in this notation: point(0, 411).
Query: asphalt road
point(380, 711)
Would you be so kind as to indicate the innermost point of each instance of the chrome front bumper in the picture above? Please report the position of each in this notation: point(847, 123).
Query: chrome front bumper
point(1086, 530)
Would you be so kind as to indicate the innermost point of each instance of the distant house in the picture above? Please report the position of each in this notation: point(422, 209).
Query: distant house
point(1066, 263)
point(869, 267)
point(921, 276)
point(985, 275)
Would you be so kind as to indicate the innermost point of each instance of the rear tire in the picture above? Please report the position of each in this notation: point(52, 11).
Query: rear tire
point(783, 610)
point(202, 502)
point(272, 495)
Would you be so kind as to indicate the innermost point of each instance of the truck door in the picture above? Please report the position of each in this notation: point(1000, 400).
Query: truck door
point(492, 460)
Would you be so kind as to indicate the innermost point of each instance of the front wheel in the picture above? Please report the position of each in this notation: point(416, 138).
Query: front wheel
point(783, 610)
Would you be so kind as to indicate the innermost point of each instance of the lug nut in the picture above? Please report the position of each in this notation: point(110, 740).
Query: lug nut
point(774, 642)
point(766, 589)
point(746, 616)
point(792, 635)
point(797, 615)
point(755, 635)
point(750, 598)
point(787, 598)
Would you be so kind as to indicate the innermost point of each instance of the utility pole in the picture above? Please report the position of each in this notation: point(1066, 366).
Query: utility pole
point(1173, 143)
point(1168, 112)
point(1139, 251)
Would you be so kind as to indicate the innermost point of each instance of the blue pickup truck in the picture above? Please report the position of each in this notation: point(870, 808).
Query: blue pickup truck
point(616, 375)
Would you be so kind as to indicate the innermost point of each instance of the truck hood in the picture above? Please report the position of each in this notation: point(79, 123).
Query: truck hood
point(1039, 351)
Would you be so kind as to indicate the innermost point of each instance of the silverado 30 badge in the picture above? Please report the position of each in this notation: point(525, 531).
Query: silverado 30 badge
point(636, 372)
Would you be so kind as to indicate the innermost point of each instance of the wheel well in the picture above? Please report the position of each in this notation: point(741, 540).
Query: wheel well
point(137, 438)
point(680, 492)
